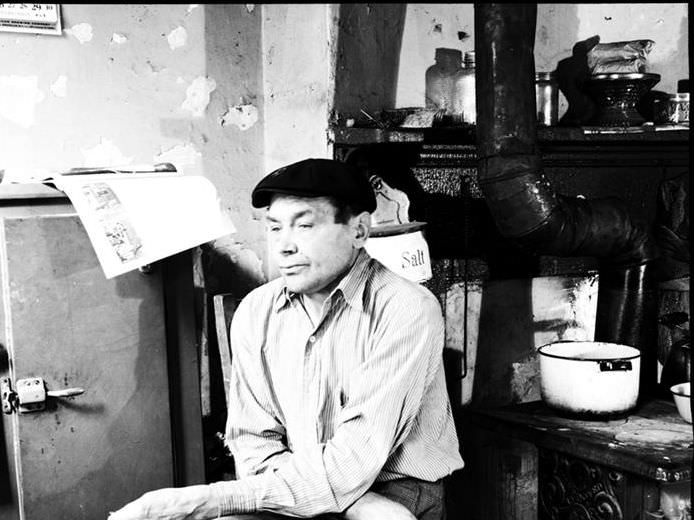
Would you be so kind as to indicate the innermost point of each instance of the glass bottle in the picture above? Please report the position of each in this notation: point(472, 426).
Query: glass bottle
point(546, 98)
point(464, 91)
point(439, 79)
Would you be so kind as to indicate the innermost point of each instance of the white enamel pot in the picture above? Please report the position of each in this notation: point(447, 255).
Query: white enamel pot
point(588, 379)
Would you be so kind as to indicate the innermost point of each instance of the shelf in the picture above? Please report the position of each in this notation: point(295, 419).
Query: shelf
point(628, 444)
point(593, 134)
point(438, 169)
point(465, 135)
point(359, 136)
point(15, 192)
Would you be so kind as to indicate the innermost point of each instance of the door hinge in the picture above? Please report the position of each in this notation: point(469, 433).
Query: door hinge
point(8, 396)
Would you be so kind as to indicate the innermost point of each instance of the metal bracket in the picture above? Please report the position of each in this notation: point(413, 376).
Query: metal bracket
point(8, 396)
point(614, 365)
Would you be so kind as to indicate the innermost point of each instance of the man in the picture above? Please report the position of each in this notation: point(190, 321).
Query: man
point(338, 402)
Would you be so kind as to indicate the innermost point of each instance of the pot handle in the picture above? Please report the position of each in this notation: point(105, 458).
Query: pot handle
point(614, 365)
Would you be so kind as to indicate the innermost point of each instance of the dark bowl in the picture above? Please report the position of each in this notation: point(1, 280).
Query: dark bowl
point(616, 96)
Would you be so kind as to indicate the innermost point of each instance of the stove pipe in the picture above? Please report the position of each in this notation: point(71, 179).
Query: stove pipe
point(525, 206)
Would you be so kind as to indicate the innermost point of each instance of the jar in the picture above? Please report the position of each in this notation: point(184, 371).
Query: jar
point(439, 79)
point(546, 98)
point(674, 110)
point(464, 99)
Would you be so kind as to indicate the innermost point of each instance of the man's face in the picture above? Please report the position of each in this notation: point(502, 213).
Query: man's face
point(310, 249)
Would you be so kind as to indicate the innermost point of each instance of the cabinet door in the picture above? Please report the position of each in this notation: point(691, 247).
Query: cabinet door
point(63, 321)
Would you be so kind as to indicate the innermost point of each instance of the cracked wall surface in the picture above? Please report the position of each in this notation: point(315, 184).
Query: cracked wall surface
point(111, 77)
point(139, 84)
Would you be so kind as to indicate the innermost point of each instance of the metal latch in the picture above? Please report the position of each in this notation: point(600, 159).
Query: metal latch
point(30, 395)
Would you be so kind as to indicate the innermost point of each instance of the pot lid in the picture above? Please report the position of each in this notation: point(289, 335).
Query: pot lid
point(388, 230)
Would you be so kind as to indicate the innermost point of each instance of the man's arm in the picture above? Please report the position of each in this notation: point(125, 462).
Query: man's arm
point(254, 433)
point(201, 503)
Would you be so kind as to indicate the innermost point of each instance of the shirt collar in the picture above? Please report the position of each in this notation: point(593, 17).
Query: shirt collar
point(351, 286)
point(284, 297)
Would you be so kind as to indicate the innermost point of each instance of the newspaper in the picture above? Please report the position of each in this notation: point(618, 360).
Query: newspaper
point(135, 219)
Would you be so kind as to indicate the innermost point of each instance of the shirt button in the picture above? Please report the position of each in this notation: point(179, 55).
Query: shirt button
point(312, 339)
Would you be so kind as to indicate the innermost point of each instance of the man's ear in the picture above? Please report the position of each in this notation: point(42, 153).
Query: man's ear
point(362, 228)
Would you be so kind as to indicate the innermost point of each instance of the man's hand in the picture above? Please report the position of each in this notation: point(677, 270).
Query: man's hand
point(372, 505)
point(186, 503)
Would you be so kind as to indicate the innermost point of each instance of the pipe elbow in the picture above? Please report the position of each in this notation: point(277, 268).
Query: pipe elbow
point(526, 209)
point(602, 228)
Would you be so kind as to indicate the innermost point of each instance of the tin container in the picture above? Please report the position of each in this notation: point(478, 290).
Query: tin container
point(589, 379)
point(402, 248)
point(672, 111)
point(546, 98)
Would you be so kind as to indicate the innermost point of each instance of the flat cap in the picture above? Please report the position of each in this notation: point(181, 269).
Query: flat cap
point(317, 178)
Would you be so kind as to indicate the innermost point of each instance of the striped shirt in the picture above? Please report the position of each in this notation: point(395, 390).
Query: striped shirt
point(319, 413)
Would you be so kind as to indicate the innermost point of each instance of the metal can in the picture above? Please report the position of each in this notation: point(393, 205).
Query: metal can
point(546, 98)
point(678, 108)
point(673, 110)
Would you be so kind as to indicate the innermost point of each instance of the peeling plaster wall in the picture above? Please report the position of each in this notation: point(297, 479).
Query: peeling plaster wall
point(107, 91)
point(559, 27)
point(141, 84)
point(194, 84)
point(233, 132)
point(298, 75)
